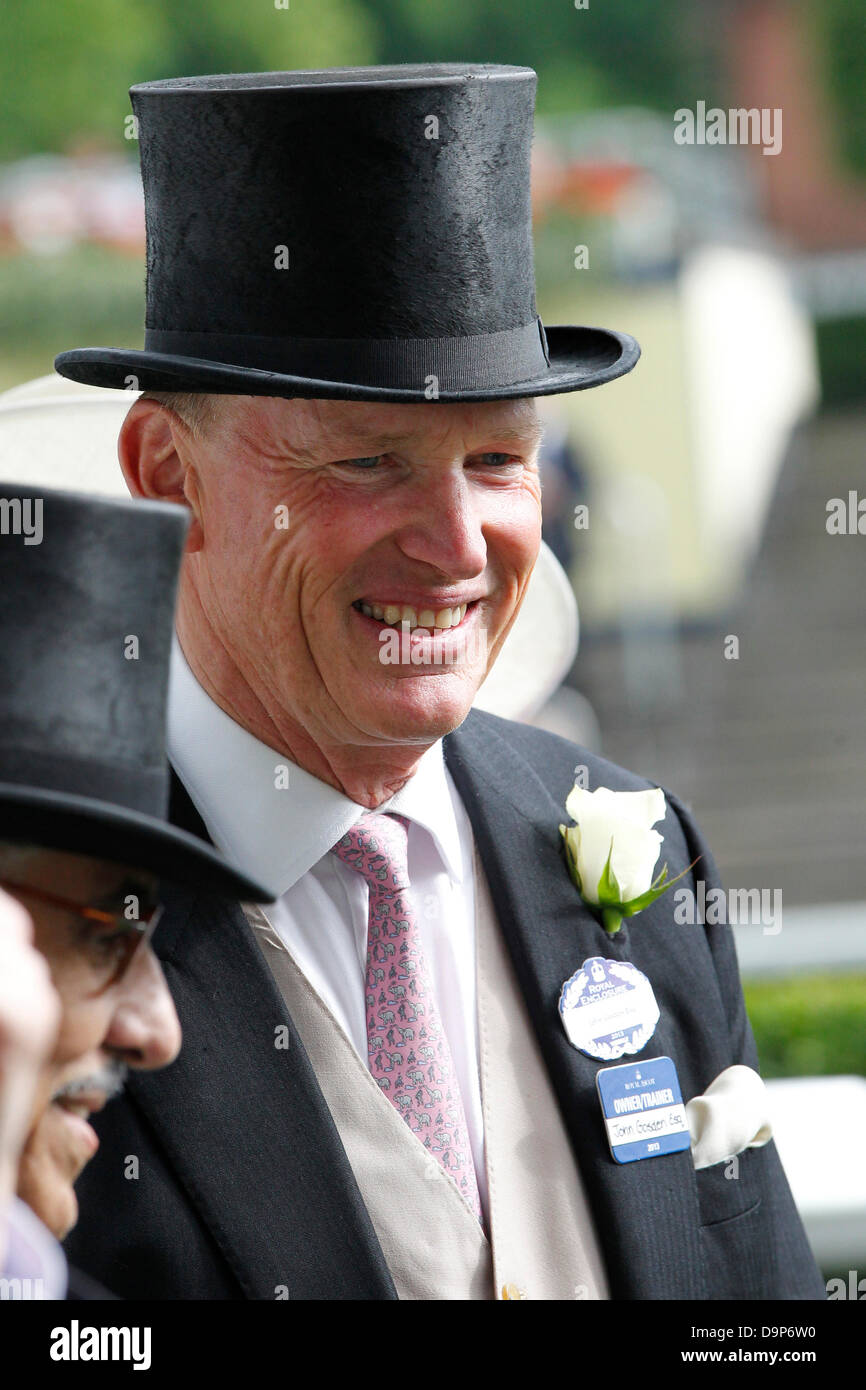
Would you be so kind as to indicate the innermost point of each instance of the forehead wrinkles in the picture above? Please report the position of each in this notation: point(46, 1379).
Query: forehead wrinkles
point(276, 430)
point(256, 432)
point(310, 430)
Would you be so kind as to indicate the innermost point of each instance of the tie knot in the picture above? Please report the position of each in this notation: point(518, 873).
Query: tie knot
point(376, 847)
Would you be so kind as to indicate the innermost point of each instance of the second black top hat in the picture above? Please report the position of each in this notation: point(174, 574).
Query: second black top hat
point(87, 597)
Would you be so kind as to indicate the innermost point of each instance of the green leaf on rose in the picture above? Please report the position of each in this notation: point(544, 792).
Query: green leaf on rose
point(609, 893)
point(659, 887)
point(571, 858)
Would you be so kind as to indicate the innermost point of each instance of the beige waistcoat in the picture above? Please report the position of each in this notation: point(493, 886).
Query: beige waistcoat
point(542, 1242)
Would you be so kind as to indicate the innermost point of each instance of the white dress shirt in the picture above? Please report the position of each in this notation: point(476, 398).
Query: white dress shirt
point(31, 1256)
point(280, 835)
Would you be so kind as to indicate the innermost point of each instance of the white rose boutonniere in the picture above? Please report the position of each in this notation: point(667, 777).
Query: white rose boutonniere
point(612, 851)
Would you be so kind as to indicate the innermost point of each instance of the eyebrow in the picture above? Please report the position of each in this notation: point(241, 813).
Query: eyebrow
point(530, 435)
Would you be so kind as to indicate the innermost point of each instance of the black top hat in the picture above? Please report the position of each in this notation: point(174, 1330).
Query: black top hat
point(356, 233)
point(87, 594)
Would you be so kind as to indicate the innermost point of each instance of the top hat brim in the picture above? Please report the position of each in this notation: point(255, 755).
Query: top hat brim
point(101, 830)
point(580, 358)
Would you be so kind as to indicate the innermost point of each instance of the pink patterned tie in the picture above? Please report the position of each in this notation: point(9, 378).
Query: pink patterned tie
point(407, 1049)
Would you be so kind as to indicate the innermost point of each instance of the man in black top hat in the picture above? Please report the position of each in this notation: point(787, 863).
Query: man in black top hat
point(341, 354)
point(86, 613)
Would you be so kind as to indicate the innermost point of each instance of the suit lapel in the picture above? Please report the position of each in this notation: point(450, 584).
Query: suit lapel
point(254, 1142)
point(244, 1121)
point(646, 1213)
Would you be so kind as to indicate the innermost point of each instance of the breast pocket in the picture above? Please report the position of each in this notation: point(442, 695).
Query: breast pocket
point(728, 1189)
point(730, 1211)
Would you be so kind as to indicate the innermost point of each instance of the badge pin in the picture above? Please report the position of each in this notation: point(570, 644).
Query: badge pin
point(643, 1109)
point(608, 1009)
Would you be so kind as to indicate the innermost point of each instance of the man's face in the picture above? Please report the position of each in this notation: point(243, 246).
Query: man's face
point(313, 511)
point(111, 1017)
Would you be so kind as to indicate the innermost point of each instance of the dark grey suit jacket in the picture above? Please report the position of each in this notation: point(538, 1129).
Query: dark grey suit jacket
point(243, 1186)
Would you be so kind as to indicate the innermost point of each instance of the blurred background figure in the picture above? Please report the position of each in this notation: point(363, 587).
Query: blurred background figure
point(722, 616)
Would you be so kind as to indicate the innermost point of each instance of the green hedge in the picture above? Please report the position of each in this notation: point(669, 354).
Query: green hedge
point(87, 294)
point(841, 345)
point(810, 1025)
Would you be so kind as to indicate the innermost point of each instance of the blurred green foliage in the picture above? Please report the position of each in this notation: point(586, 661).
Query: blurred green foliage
point(809, 1025)
point(841, 345)
point(86, 296)
point(89, 289)
point(841, 32)
point(630, 53)
point(65, 68)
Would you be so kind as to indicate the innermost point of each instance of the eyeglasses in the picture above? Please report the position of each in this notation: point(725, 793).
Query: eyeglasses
point(110, 952)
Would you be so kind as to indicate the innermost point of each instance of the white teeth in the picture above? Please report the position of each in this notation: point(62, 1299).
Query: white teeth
point(396, 614)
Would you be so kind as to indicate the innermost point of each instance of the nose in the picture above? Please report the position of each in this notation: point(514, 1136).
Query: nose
point(144, 1028)
point(444, 528)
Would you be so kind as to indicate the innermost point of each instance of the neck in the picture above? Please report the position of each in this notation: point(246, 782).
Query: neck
point(367, 773)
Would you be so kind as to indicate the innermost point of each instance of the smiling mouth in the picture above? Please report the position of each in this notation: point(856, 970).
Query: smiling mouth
point(418, 619)
point(82, 1106)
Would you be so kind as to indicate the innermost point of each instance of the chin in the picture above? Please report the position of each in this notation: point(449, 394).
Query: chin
point(422, 709)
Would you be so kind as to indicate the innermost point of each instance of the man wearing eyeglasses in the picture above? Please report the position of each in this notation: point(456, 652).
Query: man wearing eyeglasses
point(116, 1010)
point(86, 847)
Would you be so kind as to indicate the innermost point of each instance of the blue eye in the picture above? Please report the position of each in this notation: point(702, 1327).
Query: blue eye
point(496, 460)
point(365, 462)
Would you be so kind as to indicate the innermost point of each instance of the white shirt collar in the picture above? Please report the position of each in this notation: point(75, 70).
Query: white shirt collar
point(33, 1253)
point(276, 834)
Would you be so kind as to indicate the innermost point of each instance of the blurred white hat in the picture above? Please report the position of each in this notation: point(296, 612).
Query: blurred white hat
point(59, 433)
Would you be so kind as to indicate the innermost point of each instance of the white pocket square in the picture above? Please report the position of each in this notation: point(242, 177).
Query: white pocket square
point(731, 1115)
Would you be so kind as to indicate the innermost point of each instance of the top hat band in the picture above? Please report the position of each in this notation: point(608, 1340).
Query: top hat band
point(480, 361)
point(122, 783)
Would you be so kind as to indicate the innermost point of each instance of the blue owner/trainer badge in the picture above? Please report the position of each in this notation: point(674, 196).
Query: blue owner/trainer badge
point(608, 1009)
point(643, 1109)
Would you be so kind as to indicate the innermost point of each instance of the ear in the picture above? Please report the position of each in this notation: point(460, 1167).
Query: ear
point(147, 448)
